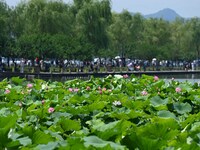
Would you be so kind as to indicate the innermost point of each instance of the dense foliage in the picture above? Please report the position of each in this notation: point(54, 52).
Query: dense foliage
point(87, 28)
point(116, 112)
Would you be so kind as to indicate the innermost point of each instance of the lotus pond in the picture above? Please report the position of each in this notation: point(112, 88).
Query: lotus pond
point(112, 113)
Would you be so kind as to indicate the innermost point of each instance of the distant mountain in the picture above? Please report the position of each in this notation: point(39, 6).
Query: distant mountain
point(166, 14)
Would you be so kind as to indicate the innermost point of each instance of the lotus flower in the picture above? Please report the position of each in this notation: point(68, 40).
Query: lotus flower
point(156, 78)
point(109, 90)
point(51, 110)
point(43, 101)
point(100, 91)
point(144, 93)
point(70, 89)
point(20, 104)
point(88, 88)
point(76, 90)
point(29, 85)
point(7, 91)
point(117, 103)
point(178, 90)
point(104, 89)
point(125, 76)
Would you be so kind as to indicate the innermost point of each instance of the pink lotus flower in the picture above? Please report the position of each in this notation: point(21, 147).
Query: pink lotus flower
point(156, 78)
point(7, 91)
point(100, 91)
point(29, 85)
point(51, 110)
point(76, 90)
point(88, 88)
point(70, 89)
point(104, 89)
point(178, 90)
point(125, 76)
point(144, 93)
point(43, 101)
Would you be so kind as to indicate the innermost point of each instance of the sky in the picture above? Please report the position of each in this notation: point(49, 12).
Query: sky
point(185, 8)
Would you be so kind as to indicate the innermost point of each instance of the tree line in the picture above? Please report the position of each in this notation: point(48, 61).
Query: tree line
point(84, 29)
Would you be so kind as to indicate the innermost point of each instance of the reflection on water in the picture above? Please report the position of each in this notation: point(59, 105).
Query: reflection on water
point(182, 77)
point(184, 80)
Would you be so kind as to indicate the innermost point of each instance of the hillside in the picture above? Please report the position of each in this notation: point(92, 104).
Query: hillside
point(166, 14)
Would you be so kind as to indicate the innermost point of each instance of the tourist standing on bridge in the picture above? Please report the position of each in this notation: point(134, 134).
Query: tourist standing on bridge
point(22, 63)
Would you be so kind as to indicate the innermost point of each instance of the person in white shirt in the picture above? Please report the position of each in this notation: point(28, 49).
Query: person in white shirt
point(22, 63)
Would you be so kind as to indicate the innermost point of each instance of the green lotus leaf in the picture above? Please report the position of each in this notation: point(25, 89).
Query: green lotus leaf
point(49, 146)
point(157, 101)
point(166, 114)
point(6, 124)
point(112, 129)
point(28, 130)
point(4, 83)
point(40, 137)
point(134, 141)
point(195, 126)
point(196, 99)
point(186, 86)
point(17, 80)
point(157, 133)
point(99, 105)
point(182, 108)
point(32, 108)
point(88, 119)
point(73, 143)
point(96, 142)
point(25, 141)
point(69, 125)
point(61, 114)
point(56, 135)
point(15, 94)
point(130, 87)
point(5, 111)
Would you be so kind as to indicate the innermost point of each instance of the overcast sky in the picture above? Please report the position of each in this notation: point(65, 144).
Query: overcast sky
point(185, 8)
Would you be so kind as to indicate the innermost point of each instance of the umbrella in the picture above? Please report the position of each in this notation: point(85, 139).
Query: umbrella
point(154, 59)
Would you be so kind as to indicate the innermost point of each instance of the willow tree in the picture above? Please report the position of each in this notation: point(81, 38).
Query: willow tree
point(44, 16)
point(93, 19)
point(125, 33)
point(137, 35)
point(28, 25)
point(196, 35)
point(7, 37)
point(4, 26)
point(120, 33)
point(177, 37)
point(44, 19)
point(156, 37)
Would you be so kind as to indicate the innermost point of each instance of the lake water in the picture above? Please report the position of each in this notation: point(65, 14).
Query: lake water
point(182, 78)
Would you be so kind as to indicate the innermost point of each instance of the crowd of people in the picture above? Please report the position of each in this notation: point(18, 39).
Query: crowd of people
point(97, 65)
